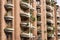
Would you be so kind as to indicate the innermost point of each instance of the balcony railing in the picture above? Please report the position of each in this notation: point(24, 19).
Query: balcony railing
point(27, 35)
point(58, 16)
point(49, 14)
point(48, 1)
point(28, 25)
point(58, 33)
point(58, 27)
point(49, 8)
point(9, 30)
point(8, 17)
point(25, 5)
point(24, 14)
point(9, 6)
point(38, 6)
point(38, 31)
point(59, 38)
point(38, 14)
point(50, 21)
point(58, 22)
point(50, 28)
point(50, 35)
point(38, 23)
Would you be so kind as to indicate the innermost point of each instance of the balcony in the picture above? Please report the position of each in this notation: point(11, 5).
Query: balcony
point(38, 31)
point(50, 21)
point(38, 6)
point(24, 14)
point(58, 33)
point(58, 16)
point(9, 30)
point(9, 6)
point(8, 17)
point(50, 28)
point(39, 23)
point(50, 35)
point(49, 14)
point(49, 8)
point(57, 6)
point(32, 8)
point(27, 35)
point(38, 14)
point(48, 1)
point(59, 39)
point(25, 5)
point(54, 1)
point(58, 22)
point(58, 27)
point(27, 25)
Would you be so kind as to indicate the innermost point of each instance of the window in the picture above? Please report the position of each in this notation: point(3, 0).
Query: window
point(38, 2)
point(9, 36)
point(38, 10)
point(9, 13)
point(49, 24)
point(9, 1)
point(58, 36)
point(9, 24)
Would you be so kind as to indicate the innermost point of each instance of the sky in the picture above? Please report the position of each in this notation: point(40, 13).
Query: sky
point(58, 2)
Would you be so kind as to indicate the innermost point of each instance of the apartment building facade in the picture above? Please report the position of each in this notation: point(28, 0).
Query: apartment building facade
point(58, 24)
point(28, 20)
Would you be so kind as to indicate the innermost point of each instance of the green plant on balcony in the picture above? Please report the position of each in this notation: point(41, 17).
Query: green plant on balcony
point(50, 33)
point(31, 11)
point(32, 18)
point(25, 1)
point(53, 29)
point(53, 2)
